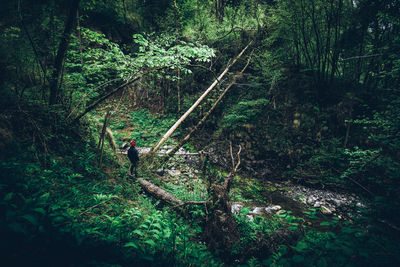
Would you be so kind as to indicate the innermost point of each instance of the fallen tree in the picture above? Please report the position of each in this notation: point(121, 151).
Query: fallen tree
point(187, 113)
point(159, 193)
point(194, 129)
point(164, 196)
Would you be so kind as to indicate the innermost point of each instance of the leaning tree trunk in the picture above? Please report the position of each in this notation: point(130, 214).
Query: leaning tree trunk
point(198, 125)
point(187, 113)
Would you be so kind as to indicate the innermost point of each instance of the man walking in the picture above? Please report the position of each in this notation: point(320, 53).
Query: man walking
point(133, 156)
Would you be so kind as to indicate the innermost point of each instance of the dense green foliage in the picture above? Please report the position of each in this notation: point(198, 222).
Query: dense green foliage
point(318, 105)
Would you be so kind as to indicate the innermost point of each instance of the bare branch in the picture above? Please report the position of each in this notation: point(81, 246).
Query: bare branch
point(357, 57)
point(238, 156)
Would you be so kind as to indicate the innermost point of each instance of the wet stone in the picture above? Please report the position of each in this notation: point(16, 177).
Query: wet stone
point(326, 211)
point(257, 211)
point(236, 207)
point(272, 209)
point(174, 173)
point(311, 200)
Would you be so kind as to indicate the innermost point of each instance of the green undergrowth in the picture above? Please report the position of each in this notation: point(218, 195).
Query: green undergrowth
point(351, 243)
point(288, 240)
point(100, 211)
point(142, 126)
point(58, 207)
point(247, 189)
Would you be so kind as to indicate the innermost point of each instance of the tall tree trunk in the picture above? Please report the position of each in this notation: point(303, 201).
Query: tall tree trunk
point(100, 147)
point(178, 85)
point(317, 41)
point(335, 53)
point(176, 17)
point(79, 36)
point(124, 9)
point(62, 49)
point(221, 229)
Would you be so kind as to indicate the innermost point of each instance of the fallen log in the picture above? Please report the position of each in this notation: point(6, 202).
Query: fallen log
point(159, 193)
point(163, 195)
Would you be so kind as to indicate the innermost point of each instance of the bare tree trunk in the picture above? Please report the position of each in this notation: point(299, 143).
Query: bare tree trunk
point(110, 139)
point(124, 9)
point(178, 85)
point(221, 230)
point(79, 36)
point(100, 147)
point(176, 17)
point(31, 42)
point(62, 49)
point(184, 116)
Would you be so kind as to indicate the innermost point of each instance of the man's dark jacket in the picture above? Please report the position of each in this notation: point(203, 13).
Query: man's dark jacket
point(133, 155)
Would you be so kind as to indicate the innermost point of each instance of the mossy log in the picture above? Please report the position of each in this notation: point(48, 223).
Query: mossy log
point(163, 195)
point(159, 193)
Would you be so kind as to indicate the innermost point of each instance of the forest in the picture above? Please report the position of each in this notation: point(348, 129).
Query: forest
point(267, 131)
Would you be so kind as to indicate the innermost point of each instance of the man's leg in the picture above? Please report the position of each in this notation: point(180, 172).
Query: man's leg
point(131, 168)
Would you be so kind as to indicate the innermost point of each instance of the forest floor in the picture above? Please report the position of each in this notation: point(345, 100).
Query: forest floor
point(263, 198)
point(317, 216)
point(266, 199)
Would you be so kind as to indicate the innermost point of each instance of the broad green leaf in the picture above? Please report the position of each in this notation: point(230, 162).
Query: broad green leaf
point(131, 245)
point(150, 242)
point(138, 232)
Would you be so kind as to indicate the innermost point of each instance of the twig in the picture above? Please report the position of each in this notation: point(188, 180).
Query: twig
point(228, 178)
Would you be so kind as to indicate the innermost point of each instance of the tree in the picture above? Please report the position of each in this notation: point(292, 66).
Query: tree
point(62, 49)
